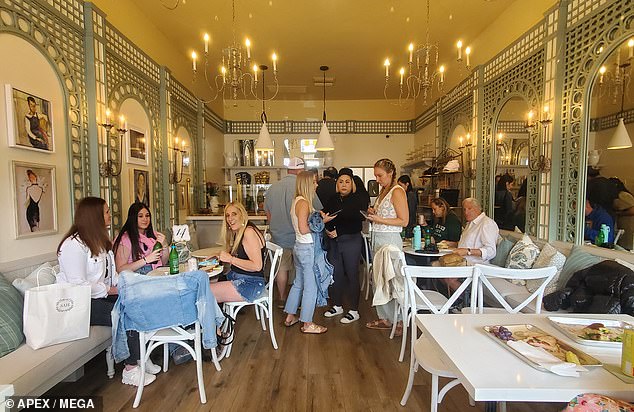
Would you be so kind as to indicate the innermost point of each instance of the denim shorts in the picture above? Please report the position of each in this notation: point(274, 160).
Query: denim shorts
point(249, 287)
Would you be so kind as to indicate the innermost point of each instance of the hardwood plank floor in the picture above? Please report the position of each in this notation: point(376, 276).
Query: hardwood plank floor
point(350, 368)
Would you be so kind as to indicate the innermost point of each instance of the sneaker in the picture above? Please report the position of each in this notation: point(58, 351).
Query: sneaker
point(133, 377)
point(333, 311)
point(351, 316)
point(152, 368)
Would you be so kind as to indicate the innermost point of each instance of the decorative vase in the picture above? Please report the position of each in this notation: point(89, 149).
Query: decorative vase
point(593, 157)
point(213, 204)
point(230, 159)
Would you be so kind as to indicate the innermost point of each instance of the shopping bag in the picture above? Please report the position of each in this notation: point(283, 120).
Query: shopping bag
point(56, 313)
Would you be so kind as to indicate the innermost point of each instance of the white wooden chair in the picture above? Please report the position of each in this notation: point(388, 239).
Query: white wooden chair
point(263, 305)
point(366, 283)
point(423, 352)
point(485, 273)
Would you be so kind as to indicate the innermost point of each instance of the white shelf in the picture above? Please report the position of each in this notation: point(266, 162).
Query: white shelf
point(420, 162)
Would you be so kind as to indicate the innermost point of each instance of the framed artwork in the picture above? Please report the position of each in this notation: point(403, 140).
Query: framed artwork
point(141, 186)
point(34, 198)
point(182, 197)
point(136, 144)
point(29, 121)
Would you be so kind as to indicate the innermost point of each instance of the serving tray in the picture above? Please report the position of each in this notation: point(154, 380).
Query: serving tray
point(571, 327)
point(527, 330)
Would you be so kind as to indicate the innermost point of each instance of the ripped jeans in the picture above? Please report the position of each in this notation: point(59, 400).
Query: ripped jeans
point(249, 287)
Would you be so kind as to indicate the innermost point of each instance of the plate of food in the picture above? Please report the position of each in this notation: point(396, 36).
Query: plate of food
point(537, 338)
point(592, 332)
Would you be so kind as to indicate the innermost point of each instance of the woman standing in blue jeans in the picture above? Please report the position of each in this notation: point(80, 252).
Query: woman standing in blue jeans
point(304, 287)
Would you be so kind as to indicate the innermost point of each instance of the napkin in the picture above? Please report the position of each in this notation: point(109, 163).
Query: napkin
point(546, 360)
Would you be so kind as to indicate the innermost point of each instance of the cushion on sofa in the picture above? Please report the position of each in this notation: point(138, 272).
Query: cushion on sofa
point(522, 256)
point(44, 273)
point(549, 256)
point(576, 261)
point(502, 251)
point(11, 304)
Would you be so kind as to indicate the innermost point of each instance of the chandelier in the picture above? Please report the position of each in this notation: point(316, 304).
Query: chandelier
point(238, 75)
point(615, 83)
point(423, 73)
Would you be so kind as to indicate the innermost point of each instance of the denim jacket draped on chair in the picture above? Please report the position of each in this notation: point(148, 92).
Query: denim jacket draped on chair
point(149, 303)
point(322, 268)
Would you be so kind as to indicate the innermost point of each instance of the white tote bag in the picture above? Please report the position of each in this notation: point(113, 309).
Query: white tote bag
point(56, 313)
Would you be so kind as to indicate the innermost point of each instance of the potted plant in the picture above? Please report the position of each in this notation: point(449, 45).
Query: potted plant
point(212, 196)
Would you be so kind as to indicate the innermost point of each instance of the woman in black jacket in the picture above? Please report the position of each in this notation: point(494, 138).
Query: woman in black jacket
point(345, 244)
point(503, 213)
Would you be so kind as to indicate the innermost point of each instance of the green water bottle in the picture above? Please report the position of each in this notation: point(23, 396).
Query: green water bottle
point(173, 259)
point(598, 240)
point(157, 246)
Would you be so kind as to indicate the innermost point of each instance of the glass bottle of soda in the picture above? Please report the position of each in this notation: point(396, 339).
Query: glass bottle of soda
point(173, 260)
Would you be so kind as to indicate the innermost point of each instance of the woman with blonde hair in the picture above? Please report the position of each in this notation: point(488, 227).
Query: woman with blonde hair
point(304, 287)
point(389, 216)
point(244, 251)
point(446, 226)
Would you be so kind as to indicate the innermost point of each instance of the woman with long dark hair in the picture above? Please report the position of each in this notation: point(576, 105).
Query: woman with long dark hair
point(446, 226)
point(134, 246)
point(503, 213)
point(85, 258)
point(412, 203)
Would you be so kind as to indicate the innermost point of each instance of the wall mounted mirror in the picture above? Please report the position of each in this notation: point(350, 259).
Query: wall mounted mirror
point(610, 176)
point(512, 159)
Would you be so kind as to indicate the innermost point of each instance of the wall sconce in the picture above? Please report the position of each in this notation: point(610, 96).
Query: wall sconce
point(107, 168)
point(541, 163)
point(467, 171)
point(175, 177)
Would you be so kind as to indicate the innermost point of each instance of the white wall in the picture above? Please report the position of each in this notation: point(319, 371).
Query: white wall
point(28, 70)
point(214, 150)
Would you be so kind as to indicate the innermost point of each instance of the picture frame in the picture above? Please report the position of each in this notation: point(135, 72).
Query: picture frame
point(29, 121)
point(34, 198)
point(140, 186)
point(136, 146)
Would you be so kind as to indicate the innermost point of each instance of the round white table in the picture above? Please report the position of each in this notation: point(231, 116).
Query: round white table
point(207, 252)
point(165, 270)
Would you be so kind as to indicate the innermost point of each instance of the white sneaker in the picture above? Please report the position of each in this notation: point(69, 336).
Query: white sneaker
point(151, 367)
point(333, 311)
point(351, 316)
point(133, 377)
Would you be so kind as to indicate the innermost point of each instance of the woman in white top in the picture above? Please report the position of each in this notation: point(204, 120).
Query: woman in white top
point(304, 287)
point(389, 216)
point(85, 258)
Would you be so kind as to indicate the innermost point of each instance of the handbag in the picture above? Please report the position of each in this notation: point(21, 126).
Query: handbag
point(452, 260)
point(55, 314)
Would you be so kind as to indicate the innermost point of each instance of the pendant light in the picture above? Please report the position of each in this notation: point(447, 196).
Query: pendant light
point(324, 141)
point(264, 141)
point(620, 138)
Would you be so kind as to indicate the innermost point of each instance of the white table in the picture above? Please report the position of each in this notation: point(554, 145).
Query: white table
point(490, 373)
point(426, 256)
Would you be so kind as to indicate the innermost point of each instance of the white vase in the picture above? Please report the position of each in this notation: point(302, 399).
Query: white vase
point(593, 157)
point(230, 159)
point(213, 204)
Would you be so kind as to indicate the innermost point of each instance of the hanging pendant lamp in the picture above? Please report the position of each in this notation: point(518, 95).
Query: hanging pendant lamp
point(264, 141)
point(324, 141)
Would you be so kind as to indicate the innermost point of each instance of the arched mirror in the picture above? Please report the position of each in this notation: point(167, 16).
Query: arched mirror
point(610, 170)
point(512, 160)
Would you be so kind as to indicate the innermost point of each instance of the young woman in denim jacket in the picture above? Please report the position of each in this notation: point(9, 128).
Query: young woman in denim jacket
point(304, 287)
point(134, 246)
point(245, 249)
point(85, 258)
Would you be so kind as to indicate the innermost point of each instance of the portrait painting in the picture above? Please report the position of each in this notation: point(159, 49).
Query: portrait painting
point(29, 121)
point(141, 186)
point(137, 146)
point(35, 202)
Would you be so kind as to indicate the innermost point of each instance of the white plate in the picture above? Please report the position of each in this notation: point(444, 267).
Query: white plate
point(569, 326)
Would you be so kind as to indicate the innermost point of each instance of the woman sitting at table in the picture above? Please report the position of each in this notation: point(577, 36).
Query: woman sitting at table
point(244, 251)
point(446, 226)
point(345, 244)
point(134, 247)
point(85, 258)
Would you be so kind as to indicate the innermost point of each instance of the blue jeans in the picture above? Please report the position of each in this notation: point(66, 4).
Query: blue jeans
point(249, 287)
point(304, 287)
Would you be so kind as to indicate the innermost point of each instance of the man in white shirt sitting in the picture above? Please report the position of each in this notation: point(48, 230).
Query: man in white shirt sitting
point(478, 240)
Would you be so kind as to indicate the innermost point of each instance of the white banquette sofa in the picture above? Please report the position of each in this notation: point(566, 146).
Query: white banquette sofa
point(28, 372)
point(514, 293)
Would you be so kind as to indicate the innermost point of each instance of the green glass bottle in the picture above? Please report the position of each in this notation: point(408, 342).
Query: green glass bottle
point(173, 260)
point(157, 246)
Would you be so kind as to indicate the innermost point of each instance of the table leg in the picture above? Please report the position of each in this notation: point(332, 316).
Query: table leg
point(490, 406)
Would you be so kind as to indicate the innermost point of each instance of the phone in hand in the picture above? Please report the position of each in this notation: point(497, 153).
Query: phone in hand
point(364, 213)
point(335, 213)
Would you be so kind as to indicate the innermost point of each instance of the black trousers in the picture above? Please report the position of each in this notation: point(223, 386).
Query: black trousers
point(345, 254)
point(100, 315)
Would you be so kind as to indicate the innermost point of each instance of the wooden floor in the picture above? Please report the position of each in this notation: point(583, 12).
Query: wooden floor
point(350, 368)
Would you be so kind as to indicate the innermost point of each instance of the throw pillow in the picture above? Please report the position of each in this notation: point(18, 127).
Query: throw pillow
point(578, 260)
point(502, 251)
point(549, 256)
point(11, 304)
point(523, 254)
point(46, 277)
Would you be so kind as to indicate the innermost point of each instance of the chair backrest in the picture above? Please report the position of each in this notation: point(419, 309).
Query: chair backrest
point(412, 273)
point(486, 272)
point(367, 249)
point(274, 256)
